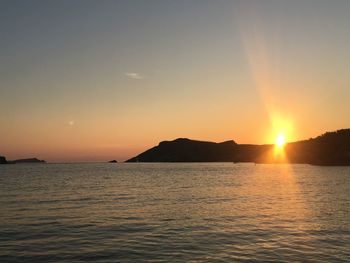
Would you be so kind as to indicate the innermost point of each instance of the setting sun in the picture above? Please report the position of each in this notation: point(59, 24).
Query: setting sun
point(280, 140)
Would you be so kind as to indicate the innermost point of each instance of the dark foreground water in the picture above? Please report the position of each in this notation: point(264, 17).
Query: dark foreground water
point(174, 213)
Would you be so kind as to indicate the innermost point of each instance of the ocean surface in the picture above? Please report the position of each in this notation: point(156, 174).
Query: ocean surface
point(185, 212)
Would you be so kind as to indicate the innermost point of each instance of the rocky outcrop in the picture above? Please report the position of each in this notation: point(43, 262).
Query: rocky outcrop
point(331, 148)
point(29, 160)
point(186, 150)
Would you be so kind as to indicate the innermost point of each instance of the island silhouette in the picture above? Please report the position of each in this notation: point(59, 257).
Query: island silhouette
point(27, 160)
point(331, 148)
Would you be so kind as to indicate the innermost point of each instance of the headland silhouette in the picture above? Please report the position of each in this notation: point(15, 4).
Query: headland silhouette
point(331, 148)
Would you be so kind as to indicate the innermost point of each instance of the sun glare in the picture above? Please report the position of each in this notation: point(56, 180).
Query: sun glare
point(280, 140)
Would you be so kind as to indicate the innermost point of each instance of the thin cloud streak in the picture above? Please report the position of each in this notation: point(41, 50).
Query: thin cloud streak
point(134, 75)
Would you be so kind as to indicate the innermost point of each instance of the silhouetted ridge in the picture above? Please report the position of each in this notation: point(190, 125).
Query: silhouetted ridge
point(331, 148)
point(186, 150)
point(29, 160)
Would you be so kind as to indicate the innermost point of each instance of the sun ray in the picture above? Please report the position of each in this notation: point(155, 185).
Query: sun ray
point(280, 140)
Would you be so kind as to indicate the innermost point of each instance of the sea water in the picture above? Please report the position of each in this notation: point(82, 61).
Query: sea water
point(174, 212)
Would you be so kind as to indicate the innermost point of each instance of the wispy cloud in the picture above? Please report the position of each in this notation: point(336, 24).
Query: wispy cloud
point(134, 75)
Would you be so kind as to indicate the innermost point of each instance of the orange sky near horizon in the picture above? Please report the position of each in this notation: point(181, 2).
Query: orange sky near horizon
point(115, 79)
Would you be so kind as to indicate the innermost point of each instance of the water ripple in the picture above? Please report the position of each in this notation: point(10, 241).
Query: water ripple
point(174, 213)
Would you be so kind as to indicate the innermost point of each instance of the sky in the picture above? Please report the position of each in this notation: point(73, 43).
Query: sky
point(99, 80)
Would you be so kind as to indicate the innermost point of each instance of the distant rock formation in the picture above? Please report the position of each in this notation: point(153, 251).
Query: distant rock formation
point(3, 160)
point(331, 148)
point(29, 160)
point(186, 150)
point(113, 161)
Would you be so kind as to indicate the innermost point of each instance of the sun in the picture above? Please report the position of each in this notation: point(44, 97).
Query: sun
point(280, 140)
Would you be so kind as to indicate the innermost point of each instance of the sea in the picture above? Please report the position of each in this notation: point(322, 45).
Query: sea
point(174, 212)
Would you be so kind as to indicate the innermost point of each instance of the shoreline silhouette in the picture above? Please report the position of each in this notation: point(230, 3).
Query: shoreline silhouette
point(328, 149)
point(331, 148)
